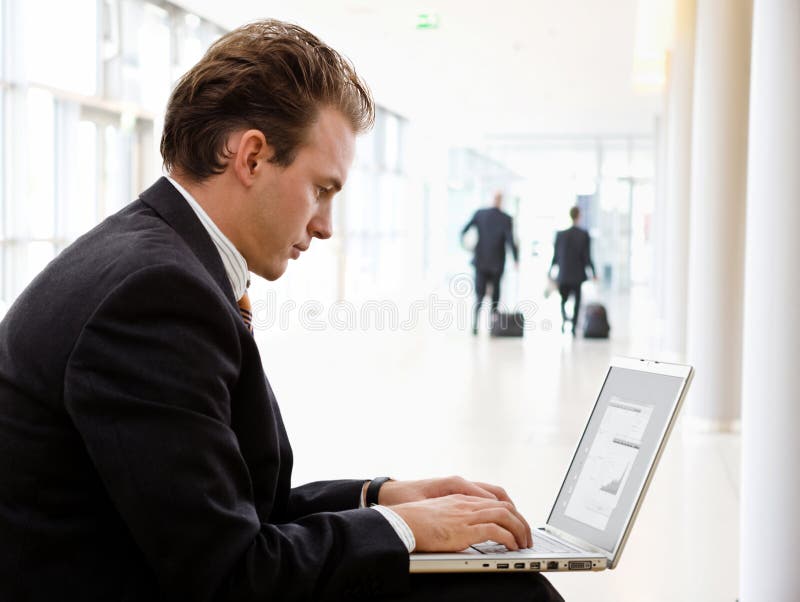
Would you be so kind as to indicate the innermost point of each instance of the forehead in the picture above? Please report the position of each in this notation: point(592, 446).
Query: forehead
point(330, 145)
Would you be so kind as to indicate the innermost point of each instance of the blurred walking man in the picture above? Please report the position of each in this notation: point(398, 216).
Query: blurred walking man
point(572, 255)
point(495, 232)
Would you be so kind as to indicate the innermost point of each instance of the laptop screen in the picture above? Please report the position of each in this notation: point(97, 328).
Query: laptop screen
point(611, 463)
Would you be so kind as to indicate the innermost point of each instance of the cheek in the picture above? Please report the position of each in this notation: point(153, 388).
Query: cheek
point(287, 217)
point(302, 211)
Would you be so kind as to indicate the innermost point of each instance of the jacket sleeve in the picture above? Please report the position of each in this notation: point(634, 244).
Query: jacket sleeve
point(555, 250)
point(469, 225)
point(509, 236)
point(588, 258)
point(324, 496)
point(148, 387)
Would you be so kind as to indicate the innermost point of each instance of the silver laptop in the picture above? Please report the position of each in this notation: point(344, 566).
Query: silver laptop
point(604, 487)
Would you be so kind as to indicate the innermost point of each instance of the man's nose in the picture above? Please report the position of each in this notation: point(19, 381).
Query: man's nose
point(321, 225)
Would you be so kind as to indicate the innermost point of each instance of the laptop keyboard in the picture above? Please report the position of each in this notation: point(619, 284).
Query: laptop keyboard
point(541, 544)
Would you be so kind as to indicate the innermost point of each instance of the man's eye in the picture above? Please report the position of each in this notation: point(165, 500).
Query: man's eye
point(321, 191)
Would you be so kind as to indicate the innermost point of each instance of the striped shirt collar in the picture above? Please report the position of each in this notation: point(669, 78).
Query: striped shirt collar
point(234, 262)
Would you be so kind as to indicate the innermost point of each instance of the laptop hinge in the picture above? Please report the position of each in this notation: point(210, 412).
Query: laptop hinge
point(577, 541)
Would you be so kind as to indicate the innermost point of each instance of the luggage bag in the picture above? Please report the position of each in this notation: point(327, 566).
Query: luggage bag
point(595, 322)
point(507, 324)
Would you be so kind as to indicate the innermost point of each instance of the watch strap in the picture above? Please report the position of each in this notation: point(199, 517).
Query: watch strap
point(373, 490)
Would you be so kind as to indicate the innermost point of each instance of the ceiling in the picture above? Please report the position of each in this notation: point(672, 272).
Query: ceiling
point(526, 67)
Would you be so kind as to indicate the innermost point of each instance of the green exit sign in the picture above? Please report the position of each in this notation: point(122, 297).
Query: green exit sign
point(427, 21)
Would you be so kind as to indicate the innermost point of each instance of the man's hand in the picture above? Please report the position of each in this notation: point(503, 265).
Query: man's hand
point(455, 522)
point(447, 513)
point(401, 492)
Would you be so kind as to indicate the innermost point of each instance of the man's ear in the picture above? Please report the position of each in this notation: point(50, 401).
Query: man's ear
point(250, 155)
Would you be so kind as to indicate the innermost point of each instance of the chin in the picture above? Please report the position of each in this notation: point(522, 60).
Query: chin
point(273, 272)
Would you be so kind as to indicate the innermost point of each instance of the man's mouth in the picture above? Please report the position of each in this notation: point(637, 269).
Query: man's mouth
point(296, 250)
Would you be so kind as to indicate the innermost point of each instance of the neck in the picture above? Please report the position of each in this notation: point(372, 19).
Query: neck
point(213, 196)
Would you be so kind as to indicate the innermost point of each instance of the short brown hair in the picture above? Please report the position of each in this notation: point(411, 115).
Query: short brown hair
point(268, 75)
point(575, 213)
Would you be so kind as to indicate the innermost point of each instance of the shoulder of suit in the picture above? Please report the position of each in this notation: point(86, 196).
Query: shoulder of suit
point(128, 241)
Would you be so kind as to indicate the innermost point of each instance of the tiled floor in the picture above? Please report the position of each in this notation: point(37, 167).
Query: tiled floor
point(424, 402)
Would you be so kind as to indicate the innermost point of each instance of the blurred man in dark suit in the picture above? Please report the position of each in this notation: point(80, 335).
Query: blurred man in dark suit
point(572, 255)
point(495, 232)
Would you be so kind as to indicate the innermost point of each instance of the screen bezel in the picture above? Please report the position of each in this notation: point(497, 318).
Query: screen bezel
point(681, 371)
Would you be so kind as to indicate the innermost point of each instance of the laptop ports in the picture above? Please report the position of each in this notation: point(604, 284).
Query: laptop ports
point(502, 565)
point(580, 565)
point(552, 565)
point(519, 565)
point(536, 566)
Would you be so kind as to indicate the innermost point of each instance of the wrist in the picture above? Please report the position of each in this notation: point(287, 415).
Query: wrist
point(373, 490)
point(362, 500)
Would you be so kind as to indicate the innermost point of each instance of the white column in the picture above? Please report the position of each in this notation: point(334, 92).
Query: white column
point(718, 188)
point(659, 237)
point(770, 523)
point(679, 154)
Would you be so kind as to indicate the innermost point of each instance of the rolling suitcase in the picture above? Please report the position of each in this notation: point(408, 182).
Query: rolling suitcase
point(507, 324)
point(595, 322)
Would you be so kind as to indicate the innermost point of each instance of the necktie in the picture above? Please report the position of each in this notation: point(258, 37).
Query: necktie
point(246, 310)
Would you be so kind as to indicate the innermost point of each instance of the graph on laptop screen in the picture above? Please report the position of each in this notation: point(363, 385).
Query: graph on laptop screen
point(615, 452)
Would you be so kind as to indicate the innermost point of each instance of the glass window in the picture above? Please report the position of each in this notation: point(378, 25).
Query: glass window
point(365, 150)
point(77, 158)
point(3, 189)
point(643, 161)
point(137, 53)
point(27, 260)
point(153, 41)
point(192, 37)
point(35, 218)
point(117, 144)
point(3, 43)
point(82, 213)
point(391, 141)
point(60, 44)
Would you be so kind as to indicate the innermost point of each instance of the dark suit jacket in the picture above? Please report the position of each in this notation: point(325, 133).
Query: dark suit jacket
point(495, 231)
point(142, 452)
point(572, 254)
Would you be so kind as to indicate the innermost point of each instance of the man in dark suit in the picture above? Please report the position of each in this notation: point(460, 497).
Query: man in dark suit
point(142, 452)
point(572, 255)
point(495, 232)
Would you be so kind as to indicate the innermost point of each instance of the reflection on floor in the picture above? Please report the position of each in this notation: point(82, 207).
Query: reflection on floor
point(426, 402)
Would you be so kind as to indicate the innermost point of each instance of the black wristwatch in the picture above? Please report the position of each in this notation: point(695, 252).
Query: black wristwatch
point(373, 489)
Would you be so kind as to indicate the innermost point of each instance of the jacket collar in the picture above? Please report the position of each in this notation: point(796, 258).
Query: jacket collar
point(165, 200)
